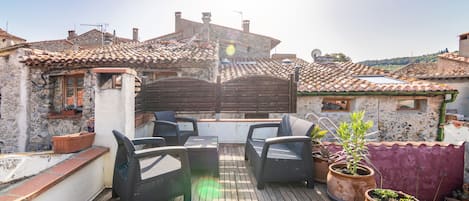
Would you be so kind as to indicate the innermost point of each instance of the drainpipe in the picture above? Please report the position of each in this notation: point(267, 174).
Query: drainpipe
point(441, 129)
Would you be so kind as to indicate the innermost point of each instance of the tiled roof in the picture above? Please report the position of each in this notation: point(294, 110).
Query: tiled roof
point(4, 34)
point(129, 54)
point(454, 57)
point(332, 77)
point(432, 70)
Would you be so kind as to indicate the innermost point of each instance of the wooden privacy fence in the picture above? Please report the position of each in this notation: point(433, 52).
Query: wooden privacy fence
point(261, 94)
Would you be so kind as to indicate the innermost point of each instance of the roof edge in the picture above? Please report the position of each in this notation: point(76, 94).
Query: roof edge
point(380, 93)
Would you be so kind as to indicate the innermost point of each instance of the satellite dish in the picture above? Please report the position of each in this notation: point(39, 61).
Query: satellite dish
point(315, 53)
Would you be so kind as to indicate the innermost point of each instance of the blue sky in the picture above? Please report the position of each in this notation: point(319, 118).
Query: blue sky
point(362, 29)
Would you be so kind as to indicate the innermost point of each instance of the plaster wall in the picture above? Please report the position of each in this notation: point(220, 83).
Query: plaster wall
point(114, 110)
point(462, 100)
point(14, 110)
point(85, 184)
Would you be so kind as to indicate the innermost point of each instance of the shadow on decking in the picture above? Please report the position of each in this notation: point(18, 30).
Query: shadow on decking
point(237, 182)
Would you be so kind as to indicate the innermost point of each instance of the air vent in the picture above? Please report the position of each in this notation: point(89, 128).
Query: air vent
point(287, 61)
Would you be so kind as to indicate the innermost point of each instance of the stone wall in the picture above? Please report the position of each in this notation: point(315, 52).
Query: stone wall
point(247, 45)
point(14, 110)
point(45, 100)
point(53, 45)
point(204, 71)
point(395, 125)
point(448, 65)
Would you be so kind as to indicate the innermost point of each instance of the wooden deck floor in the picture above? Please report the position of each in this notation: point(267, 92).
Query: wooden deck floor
point(236, 182)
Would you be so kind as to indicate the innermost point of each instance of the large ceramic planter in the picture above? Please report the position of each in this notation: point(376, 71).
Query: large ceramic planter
point(72, 143)
point(401, 195)
point(347, 187)
point(321, 166)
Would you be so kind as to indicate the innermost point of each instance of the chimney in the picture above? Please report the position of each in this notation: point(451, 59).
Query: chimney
point(71, 34)
point(135, 34)
point(177, 22)
point(206, 28)
point(246, 26)
point(464, 45)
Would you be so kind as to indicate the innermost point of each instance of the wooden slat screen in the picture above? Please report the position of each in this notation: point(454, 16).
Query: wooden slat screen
point(180, 94)
point(255, 94)
point(260, 94)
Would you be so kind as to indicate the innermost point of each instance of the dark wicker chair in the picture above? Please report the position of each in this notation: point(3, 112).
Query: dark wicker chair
point(284, 158)
point(158, 173)
point(166, 126)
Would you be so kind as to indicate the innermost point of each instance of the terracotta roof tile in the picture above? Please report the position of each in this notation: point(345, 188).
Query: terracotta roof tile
point(332, 77)
point(133, 53)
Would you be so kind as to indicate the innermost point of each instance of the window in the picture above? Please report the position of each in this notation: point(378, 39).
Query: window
point(73, 91)
point(335, 105)
point(408, 104)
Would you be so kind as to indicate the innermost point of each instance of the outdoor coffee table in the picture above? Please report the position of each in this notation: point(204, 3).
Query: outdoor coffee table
point(203, 153)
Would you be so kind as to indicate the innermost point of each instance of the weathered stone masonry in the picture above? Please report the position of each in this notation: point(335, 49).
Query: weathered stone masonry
point(414, 125)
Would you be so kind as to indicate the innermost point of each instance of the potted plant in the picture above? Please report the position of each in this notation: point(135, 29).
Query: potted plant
point(349, 179)
point(69, 110)
point(322, 157)
point(377, 194)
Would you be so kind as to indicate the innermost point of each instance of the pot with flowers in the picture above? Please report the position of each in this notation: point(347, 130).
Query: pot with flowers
point(322, 157)
point(349, 178)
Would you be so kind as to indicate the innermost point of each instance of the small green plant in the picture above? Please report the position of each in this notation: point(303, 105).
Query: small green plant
point(390, 195)
point(352, 139)
point(317, 134)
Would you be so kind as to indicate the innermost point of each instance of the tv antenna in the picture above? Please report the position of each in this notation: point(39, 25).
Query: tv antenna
point(240, 13)
point(102, 28)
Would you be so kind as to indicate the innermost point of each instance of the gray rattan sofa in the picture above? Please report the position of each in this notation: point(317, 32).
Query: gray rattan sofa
point(166, 126)
point(284, 158)
point(158, 173)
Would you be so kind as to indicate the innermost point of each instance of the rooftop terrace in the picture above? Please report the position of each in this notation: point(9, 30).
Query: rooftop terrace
point(237, 182)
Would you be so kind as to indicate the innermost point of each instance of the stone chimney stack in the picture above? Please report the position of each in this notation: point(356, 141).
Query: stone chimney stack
point(246, 26)
point(177, 22)
point(206, 18)
point(464, 45)
point(71, 34)
point(135, 34)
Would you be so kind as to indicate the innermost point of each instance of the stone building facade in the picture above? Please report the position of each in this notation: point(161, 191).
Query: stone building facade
point(38, 87)
point(7, 39)
point(53, 45)
point(451, 69)
point(393, 124)
point(233, 43)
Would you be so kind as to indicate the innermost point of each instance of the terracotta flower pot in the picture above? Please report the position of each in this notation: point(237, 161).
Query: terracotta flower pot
point(321, 166)
point(348, 187)
point(72, 142)
point(369, 196)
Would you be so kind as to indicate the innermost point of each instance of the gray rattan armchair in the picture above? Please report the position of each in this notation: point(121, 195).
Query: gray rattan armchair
point(284, 158)
point(158, 173)
point(166, 126)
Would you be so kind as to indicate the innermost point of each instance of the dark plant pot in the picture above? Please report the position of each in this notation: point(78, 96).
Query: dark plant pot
point(348, 187)
point(368, 195)
point(321, 166)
